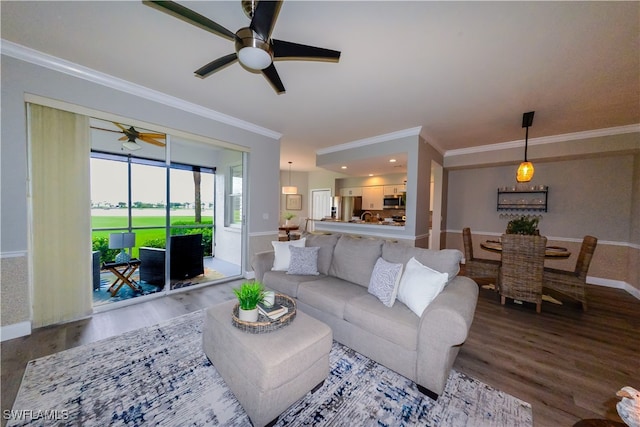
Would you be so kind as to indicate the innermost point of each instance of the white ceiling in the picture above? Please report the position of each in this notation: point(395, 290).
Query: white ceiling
point(463, 71)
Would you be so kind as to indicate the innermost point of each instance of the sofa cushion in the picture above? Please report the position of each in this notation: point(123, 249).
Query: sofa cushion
point(384, 282)
point(326, 243)
point(283, 255)
point(444, 260)
point(420, 285)
point(284, 283)
point(395, 324)
point(354, 259)
point(329, 294)
point(304, 261)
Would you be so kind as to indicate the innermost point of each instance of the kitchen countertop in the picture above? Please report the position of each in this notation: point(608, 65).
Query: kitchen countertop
point(372, 229)
point(385, 223)
point(377, 228)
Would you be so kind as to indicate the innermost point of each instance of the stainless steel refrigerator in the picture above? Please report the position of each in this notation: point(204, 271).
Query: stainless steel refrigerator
point(346, 207)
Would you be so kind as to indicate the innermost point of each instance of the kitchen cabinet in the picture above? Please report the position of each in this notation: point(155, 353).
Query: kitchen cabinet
point(394, 190)
point(373, 198)
point(351, 191)
point(534, 199)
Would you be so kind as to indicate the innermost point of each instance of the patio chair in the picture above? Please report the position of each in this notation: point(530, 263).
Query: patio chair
point(522, 268)
point(95, 268)
point(477, 267)
point(573, 283)
point(187, 260)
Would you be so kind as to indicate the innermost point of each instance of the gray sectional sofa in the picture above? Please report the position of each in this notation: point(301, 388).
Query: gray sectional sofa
point(421, 348)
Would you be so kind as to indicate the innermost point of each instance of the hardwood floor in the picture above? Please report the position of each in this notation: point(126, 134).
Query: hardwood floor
point(566, 363)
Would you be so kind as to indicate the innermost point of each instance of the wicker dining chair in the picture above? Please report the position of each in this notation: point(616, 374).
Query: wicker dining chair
point(573, 283)
point(522, 268)
point(477, 267)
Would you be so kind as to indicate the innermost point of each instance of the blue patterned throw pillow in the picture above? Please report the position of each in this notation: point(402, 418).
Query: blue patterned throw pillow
point(385, 280)
point(304, 261)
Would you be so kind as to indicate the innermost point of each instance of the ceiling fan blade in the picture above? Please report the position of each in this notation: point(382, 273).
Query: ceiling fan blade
point(272, 75)
point(282, 49)
point(120, 126)
point(153, 135)
point(264, 18)
point(214, 66)
point(123, 138)
point(151, 141)
point(194, 18)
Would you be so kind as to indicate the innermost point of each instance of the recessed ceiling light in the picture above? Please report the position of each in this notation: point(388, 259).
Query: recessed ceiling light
point(392, 160)
point(370, 174)
point(343, 167)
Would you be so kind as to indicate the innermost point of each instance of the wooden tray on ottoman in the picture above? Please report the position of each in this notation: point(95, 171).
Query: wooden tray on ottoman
point(264, 323)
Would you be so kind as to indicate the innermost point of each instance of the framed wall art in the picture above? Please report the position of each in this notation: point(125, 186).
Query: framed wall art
point(294, 202)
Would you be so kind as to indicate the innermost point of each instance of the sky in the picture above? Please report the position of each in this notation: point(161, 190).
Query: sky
point(109, 183)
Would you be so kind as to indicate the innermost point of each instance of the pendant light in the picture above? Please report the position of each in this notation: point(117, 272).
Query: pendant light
point(289, 189)
point(525, 170)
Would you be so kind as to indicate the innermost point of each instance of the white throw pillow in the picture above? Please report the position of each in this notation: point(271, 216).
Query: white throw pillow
point(304, 261)
point(420, 285)
point(385, 280)
point(282, 257)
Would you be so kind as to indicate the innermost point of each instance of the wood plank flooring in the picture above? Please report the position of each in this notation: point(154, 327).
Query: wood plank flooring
point(566, 363)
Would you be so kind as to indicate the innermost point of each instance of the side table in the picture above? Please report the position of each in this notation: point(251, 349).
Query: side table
point(123, 272)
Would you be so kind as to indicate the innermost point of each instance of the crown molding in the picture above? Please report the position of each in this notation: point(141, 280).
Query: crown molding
point(36, 57)
point(372, 140)
point(546, 140)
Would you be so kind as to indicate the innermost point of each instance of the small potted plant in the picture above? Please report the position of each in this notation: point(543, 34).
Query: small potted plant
point(523, 225)
point(288, 216)
point(249, 294)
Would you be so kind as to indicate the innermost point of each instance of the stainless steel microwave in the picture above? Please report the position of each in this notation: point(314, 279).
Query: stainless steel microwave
point(394, 202)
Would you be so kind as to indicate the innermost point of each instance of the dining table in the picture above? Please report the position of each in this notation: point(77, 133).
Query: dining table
point(288, 229)
point(553, 252)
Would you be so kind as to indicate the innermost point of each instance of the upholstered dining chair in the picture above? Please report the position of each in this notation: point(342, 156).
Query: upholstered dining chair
point(573, 283)
point(522, 268)
point(477, 267)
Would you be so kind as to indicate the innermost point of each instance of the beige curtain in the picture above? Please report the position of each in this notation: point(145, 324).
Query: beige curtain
point(60, 227)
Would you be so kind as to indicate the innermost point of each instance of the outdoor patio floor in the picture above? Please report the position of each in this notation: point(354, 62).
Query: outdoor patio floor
point(215, 269)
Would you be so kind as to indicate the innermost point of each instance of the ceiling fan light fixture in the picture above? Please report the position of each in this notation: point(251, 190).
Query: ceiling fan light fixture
point(254, 58)
point(131, 145)
point(253, 52)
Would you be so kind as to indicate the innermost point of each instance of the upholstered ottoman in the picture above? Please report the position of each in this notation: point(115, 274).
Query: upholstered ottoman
point(271, 371)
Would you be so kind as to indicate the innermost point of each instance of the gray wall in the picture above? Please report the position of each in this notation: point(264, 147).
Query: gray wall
point(594, 195)
point(20, 78)
point(586, 196)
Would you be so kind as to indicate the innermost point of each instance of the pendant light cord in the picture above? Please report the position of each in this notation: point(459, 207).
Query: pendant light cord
point(526, 143)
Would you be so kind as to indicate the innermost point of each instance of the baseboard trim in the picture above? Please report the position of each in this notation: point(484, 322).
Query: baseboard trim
point(617, 284)
point(16, 330)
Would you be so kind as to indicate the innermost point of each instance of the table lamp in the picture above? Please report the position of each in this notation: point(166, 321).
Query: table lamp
point(122, 241)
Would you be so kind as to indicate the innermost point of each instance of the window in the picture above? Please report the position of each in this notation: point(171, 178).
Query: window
point(234, 197)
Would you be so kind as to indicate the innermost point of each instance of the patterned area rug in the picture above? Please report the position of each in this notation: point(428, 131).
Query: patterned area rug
point(159, 375)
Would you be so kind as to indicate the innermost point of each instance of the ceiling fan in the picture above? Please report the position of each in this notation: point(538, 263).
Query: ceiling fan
point(255, 49)
point(131, 135)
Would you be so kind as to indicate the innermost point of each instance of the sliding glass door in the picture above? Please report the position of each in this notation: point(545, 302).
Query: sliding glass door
point(172, 195)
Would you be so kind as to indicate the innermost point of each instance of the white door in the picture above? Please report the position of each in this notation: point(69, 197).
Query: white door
point(320, 206)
